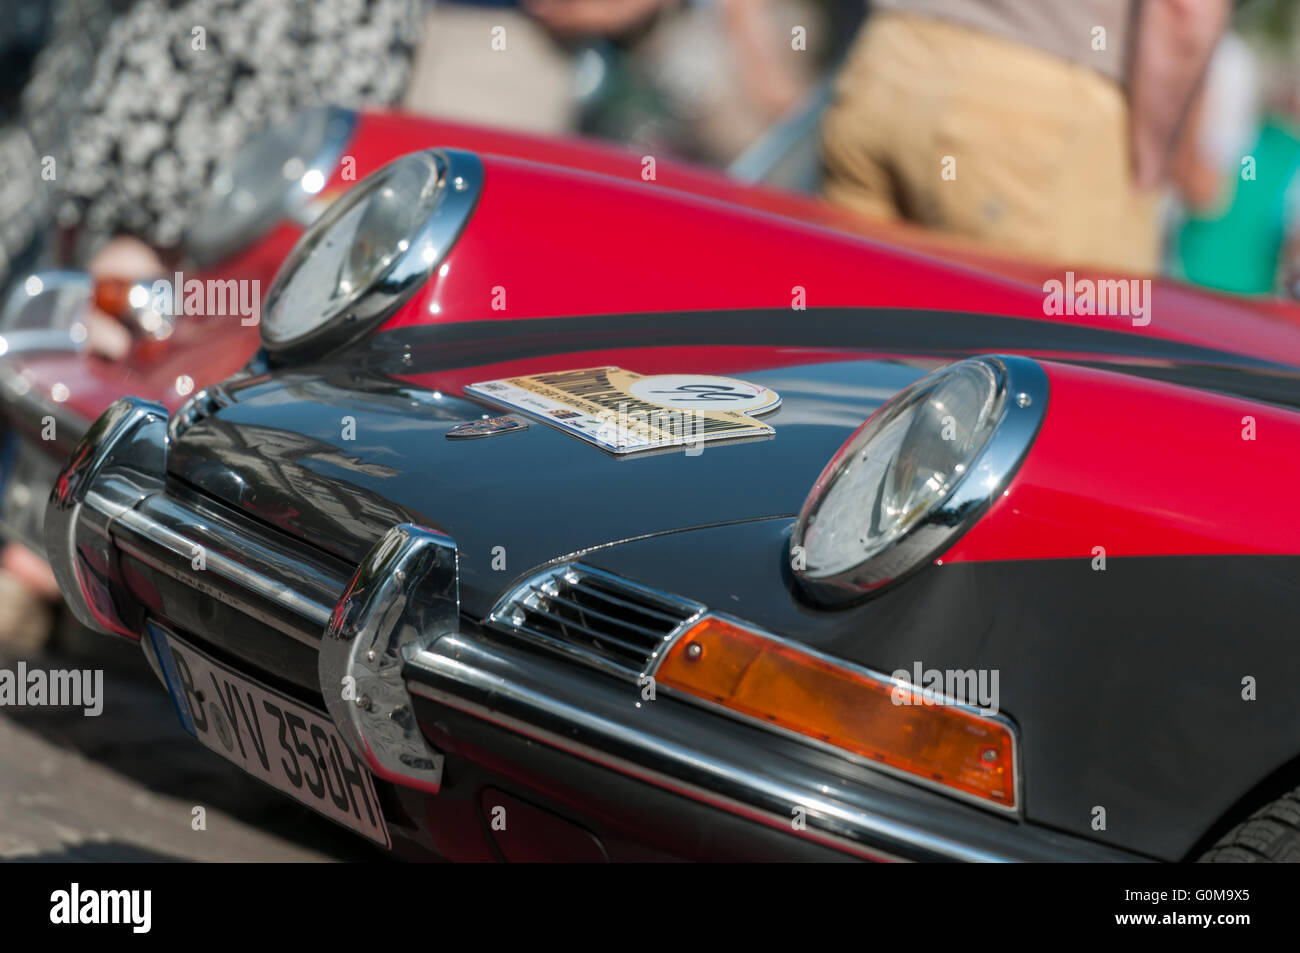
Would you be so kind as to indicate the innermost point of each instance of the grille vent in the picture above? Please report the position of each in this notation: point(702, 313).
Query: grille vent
point(592, 615)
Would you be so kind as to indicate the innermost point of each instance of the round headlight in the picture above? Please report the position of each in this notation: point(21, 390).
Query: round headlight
point(917, 474)
point(273, 176)
point(370, 251)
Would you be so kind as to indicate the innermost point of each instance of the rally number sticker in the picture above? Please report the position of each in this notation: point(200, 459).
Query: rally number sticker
point(625, 412)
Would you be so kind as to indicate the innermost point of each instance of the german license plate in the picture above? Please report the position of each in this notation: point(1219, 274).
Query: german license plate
point(289, 746)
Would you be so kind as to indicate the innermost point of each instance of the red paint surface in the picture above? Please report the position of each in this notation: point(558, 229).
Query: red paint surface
point(562, 244)
point(1144, 468)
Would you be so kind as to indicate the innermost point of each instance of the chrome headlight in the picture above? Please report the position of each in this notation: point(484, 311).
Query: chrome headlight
point(274, 176)
point(371, 250)
point(918, 473)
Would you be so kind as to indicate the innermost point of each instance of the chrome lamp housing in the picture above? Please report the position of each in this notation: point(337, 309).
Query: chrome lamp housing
point(370, 252)
point(275, 176)
point(916, 475)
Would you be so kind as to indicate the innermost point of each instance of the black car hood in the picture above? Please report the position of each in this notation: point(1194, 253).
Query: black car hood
point(336, 453)
point(512, 500)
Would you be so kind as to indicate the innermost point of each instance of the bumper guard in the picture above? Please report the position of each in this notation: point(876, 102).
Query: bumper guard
point(110, 498)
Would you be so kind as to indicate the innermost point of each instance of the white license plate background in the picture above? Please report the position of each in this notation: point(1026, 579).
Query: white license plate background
point(286, 744)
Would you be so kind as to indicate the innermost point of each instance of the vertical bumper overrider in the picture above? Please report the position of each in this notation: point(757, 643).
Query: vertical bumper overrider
point(111, 498)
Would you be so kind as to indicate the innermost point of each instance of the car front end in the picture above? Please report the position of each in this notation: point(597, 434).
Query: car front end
point(715, 583)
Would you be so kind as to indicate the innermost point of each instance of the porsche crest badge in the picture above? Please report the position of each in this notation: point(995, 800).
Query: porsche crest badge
point(487, 427)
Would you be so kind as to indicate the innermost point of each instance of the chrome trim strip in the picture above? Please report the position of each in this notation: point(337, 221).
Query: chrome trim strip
point(405, 594)
point(167, 535)
point(722, 763)
point(129, 438)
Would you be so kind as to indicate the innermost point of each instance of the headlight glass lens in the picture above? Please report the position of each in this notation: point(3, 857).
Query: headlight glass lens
point(249, 194)
point(901, 466)
point(351, 249)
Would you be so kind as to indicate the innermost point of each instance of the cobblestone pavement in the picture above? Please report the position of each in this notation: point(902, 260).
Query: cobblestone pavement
point(123, 786)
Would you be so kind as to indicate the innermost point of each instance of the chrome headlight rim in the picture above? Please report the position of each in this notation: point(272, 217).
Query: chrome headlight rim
point(1023, 393)
point(460, 183)
point(339, 126)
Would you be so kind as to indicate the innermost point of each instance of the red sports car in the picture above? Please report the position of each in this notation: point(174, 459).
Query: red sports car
point(570, 512)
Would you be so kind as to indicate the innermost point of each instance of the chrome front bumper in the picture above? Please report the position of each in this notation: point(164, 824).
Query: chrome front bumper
point(110, 501)
point(389, 640)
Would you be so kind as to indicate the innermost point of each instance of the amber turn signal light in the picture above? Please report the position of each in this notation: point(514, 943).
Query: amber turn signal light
point(113, 296)
point(770, 681)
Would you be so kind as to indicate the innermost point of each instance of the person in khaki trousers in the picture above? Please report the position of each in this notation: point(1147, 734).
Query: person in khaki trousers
point(1037, 127)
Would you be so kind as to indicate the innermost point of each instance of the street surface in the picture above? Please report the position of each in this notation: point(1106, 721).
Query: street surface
point(123, 786)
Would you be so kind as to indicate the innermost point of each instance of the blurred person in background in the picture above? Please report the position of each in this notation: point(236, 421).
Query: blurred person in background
point(1286, 121)
point(1238, 165)
point(47, 57)
point(134, 109)
point(490, 62)
point(698, 78)
point(121, 118)
point(1235, 172)
point(709, 77)
point(1042, 129)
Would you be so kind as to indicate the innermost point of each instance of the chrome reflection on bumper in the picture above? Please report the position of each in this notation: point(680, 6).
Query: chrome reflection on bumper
point(404, 596)
point(120, 461)
point(110, 500)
